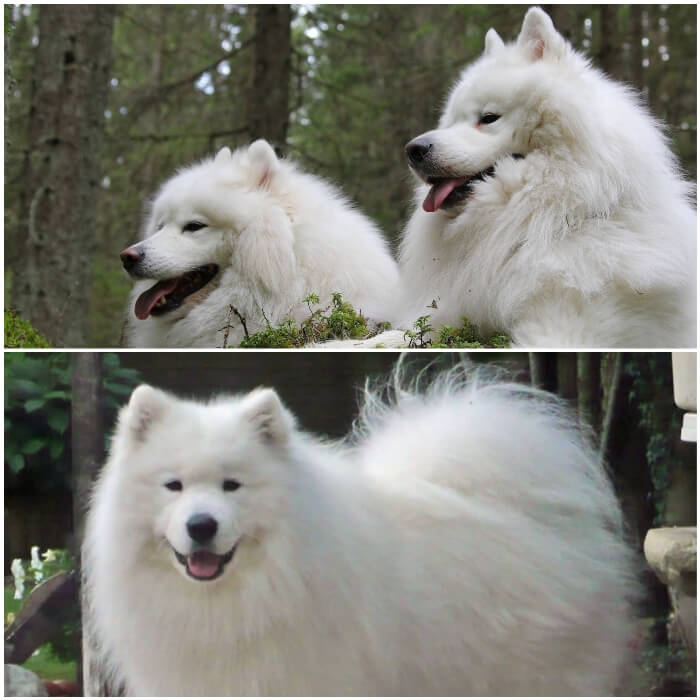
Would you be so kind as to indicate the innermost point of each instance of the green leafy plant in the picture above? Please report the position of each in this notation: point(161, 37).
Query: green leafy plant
point(337, 320)
point(466, 336)
point(418, 336)
point(38, 409)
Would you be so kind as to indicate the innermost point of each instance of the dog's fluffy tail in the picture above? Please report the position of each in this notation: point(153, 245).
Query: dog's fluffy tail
point(471, 429)
point(508, 469)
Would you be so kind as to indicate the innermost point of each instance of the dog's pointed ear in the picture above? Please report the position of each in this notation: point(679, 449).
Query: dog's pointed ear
point(223, 155)
point(492, 42)
point(263, 410)
point(145, 407)
point(263, 162)
point(539, 38)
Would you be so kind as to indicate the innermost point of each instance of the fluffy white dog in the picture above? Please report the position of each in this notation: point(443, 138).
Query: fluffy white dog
point(249, 232)
point(466, 542)
point(552, 208)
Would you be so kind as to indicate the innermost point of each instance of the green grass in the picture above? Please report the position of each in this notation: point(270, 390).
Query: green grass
point(43, 662)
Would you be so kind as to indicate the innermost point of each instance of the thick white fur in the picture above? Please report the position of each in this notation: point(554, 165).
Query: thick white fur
point(589, 241)
point(466, 541)
point(276, 233)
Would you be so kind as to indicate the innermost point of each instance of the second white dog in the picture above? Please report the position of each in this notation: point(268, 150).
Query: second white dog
point(552, 208)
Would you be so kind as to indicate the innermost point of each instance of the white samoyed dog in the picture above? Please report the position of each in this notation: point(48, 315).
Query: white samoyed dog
point(551, 206)
point(250, 232)
point(467, 541)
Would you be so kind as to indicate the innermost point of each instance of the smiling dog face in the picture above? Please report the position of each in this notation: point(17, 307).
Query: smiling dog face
point(204, 476)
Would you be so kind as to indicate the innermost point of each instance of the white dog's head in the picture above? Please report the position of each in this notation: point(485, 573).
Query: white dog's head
point(491, 114)
point(221, 213)
point(203, 480)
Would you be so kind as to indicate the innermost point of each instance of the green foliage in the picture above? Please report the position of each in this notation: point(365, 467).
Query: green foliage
point(337, 320)
point(20, 334)
point(418, 337)
point(286, 335)
point(38, 411)
point(465, 336)
point(668, 661)
point(659, 420)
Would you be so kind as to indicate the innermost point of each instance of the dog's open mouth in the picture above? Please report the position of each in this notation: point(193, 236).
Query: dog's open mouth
point(204, 565)
point(447, 192)
point(167, 295)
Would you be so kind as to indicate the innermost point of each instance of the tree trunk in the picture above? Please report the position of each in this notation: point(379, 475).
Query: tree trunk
point(87, 444)
point(268, 103)
point(62, 169)
point(608, 33)
point(589, 395)
point(614, 405)
point(637, 55)
point(543, 370)
point(566, 375)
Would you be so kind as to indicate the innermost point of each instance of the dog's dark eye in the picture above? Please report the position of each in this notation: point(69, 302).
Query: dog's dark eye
point(489, 118)
point(231, 485)
point(173, 485)
point(192, 226)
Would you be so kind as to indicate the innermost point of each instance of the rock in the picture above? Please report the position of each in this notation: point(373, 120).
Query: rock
point(19, 682)
point(672, 553)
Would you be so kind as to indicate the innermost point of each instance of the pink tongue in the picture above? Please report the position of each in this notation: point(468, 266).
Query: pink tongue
point(150, 297)
point(203, 564)
point(439, 193)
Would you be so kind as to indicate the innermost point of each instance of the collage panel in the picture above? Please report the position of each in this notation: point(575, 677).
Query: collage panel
point(536, 191)
point(302, 398)
point(478, 523)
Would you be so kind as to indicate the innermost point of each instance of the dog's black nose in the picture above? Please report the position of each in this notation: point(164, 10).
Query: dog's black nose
point(130, 257)
point(201, 527)
point(418, 149)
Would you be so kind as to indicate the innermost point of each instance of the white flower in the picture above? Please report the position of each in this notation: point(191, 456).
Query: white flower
point(17, 570)
point(49, 555)
point(36, 564)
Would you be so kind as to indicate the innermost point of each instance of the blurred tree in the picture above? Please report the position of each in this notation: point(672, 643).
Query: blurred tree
point(268, 105)
point(62, 169)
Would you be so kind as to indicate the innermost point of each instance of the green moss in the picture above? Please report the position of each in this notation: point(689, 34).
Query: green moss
point(287, 335)
point(338, 320)
point(466, 336)
point(20, 334)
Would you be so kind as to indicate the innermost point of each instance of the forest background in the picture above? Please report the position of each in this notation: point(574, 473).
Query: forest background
point(102, 103)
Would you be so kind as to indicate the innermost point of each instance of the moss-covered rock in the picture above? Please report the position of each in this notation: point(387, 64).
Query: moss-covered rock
point(20, 333)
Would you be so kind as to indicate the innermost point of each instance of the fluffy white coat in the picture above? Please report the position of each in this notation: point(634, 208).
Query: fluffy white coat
point(588, 241)
point(277, 235)
point(466, 542)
